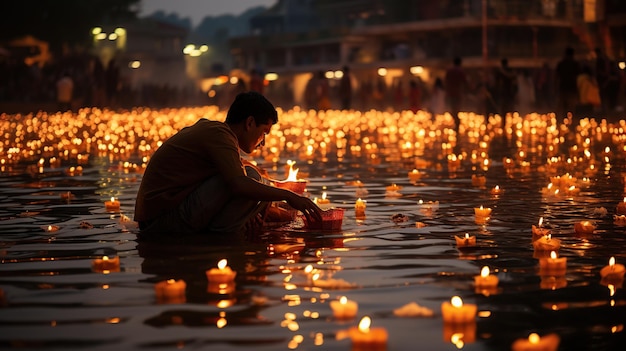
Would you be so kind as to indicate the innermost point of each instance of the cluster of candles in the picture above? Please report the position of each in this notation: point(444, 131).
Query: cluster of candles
point(54, 139)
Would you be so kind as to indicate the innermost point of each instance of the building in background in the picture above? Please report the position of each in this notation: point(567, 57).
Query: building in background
point(395, 41)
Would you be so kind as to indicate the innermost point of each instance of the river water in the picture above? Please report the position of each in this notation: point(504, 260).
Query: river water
point(52, 298)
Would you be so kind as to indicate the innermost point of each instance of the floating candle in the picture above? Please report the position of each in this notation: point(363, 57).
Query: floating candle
point(344, 308)
point(465, 241)
point(221, 274)
point(547, 243)
point(170, 291)
point(485, 280)
point(613, 271)
point(621, 207)
point(414, 175)
point(584, 227)
point(456, 312)
point(359, 207)
point(552, 265)
point(393, 188)
point(323, 203)
point(534, 342)
point(482, 211)
point(50, 228)
point(364, 337)
point(539, 231)
point(106, 264)
point(112, 205)
point(496, 190)
point(412, 309)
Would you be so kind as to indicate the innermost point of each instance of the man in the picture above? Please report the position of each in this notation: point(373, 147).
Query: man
point(506, 89)
point(567, 71)
point(455, 86)
point(196, 182)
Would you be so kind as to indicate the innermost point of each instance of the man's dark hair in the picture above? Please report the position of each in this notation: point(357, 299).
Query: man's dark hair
point(252, 104)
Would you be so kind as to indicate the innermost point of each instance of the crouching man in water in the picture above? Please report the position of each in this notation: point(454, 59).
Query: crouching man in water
point(196, 182)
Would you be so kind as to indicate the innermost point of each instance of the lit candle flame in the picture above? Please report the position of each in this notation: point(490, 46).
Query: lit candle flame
point(364, 324)
point(171, 281)
point(553, 255)
point(105, 258)
point(540, 221)
point(456, 302)
point(112, 199)
point(343, 300)
point(467, 236)
point(293, 173)
point(484, 272)
point(612, 262)
point(324, 196)
point(533, 338)
point(222, 264)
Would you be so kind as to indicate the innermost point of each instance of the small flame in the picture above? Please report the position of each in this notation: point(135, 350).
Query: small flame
point(222, 263)
point(540, 221)
point(343, 300)
point(553, 255)
point(612, 261)
point(293, 173)
point(106, 258)
point(112, 199)
point(533, 338)
point(467, 236)
point(171, 281)
point(484, 272)
point(456, 302)
point(324, 196)
point(364, 324)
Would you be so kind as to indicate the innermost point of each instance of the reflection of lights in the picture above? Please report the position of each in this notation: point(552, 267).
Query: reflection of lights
point(221, 323)
point(96, 30)
point(271, 76)
point(134, 64)
point(114, 320)
point(457, 340)
point(484, 314)
point(224, 303)
point(382, 72)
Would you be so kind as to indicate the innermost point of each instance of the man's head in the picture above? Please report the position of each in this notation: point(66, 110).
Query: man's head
point(251, 116)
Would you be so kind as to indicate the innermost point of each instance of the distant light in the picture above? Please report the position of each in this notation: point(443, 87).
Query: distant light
point(234, 80)
point(195, 53)
point(211, 93)
point(415, 70)
point(188, 49)
point(622, 65)
point(134, 64)
point(112, 36)
point(382, 71)
point(271, 76)
point(221, 80)
point(204, 48)
point(96, 30)
point(101, 36)
point(338, 74)
point(329, 74)
point(120, 31)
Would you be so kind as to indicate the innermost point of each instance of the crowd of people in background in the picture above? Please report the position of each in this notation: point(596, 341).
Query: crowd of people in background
point(591, 87)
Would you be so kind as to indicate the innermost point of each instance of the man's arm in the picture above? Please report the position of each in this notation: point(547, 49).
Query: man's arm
point(251, 189)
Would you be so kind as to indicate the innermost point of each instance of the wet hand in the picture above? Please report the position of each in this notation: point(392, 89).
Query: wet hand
point(307, 207)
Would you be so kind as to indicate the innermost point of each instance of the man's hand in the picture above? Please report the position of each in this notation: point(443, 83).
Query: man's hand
point(306, 206)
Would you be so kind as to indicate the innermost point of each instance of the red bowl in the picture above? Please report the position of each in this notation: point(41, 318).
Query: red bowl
point(332, 219)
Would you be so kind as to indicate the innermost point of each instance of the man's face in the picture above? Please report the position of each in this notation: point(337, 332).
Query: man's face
point(256, 135)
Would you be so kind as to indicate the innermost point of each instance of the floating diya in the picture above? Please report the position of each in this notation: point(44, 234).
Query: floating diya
point(414, 175)
point(50, 228)
point(482, 211)
point(292, 182)
point(112, 205)
point(485, 280)
point(621, 207)
point(534, 342)
point(222, 274)
point(344, 308)
point(553, 265)
point(324, 202)
point(613, 271)
point(496, 190)
point(456, 312)
point(365, 338)
point(412, 309)
point(359, 207)
point(539, 231)
point(465, 241)
point(106, 264)
point(584, 227)
point(332, 219)
point(170, 291)
point(547, 243)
